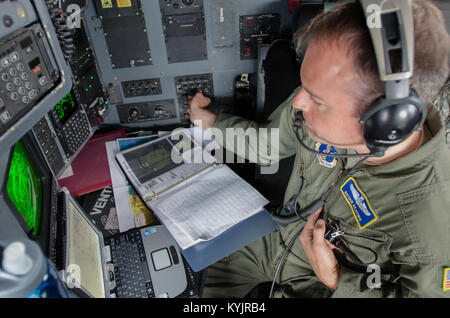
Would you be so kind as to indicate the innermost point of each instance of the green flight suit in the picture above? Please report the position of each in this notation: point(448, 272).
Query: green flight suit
point(441, 102)
point(408, 203)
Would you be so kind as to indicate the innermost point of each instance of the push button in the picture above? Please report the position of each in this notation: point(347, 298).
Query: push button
point(14, 57)
point(173, 251)
point(5, 116)
point(5, 62)
point(43, 80)
point(32, 94)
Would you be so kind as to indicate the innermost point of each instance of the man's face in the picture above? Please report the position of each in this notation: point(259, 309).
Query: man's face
point(330, 110)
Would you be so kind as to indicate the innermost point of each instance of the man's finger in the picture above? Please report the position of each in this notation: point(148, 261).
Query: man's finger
point(313, 219)
point(307, 234)
point(319, 240)
point(330, 245)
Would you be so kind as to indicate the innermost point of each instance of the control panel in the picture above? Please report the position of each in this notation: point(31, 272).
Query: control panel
point(186, 38)
point(90, 94)
point(62, 132)
point(26, 73)
point(184, 30)
point(189, 85)
point(88, 89)
point(146, 87)
point(256, 30)
point(147, 111)
point(71, 125)
point(125, 31)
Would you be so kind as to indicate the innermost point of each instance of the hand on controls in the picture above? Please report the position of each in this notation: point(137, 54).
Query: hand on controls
point(199, 115)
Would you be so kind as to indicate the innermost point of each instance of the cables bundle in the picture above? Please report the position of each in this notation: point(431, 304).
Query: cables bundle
point(64, 33)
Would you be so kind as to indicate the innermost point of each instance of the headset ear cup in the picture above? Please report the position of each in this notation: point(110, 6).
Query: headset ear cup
point(389, 122)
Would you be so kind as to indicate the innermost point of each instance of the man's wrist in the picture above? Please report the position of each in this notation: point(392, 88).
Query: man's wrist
point(206, 120)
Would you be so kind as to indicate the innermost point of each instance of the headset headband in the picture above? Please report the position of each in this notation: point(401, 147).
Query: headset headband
point(393, 117)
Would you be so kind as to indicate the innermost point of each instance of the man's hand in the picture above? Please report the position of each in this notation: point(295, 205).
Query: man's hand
point(198, 114)
point(320, 251)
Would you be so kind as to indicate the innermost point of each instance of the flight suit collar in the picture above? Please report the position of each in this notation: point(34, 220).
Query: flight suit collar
point(421, 156)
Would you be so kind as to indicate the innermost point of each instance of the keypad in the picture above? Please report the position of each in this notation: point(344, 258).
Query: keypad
point(129, 260)
point(26, 73)
point(76, 130)
point(15, 79)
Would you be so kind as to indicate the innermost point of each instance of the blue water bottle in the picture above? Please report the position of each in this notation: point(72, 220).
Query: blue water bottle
point(26, 272)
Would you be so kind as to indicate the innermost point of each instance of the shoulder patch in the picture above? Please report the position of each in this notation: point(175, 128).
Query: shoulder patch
point(358, 202)
point(327, 161)
point(446, 280)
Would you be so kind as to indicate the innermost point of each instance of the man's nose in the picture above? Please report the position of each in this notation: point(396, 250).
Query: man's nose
point(300, 100)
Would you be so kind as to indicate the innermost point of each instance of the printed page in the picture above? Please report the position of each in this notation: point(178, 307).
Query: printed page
point(208, 206)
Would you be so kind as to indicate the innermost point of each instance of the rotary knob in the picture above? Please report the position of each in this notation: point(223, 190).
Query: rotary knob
point(133, 112)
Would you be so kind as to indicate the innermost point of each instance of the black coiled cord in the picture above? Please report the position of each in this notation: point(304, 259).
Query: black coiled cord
point(64, 33)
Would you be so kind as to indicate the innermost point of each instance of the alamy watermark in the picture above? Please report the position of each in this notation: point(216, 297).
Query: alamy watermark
point(374, 13)
point(260, 146)
point(374, 279)
point(73, 16)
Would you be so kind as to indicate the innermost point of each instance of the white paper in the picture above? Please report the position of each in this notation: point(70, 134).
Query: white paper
point(120, 189)
point(208, 206)
point(67, 173)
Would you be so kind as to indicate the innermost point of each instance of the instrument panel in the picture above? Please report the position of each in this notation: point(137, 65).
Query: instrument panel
point(212, 40)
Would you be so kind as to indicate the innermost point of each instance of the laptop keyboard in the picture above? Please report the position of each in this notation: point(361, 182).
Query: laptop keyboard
point(130, 266)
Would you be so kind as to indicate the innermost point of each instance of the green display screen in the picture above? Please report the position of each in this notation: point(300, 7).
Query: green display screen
point(65, 108)
point(24, 187)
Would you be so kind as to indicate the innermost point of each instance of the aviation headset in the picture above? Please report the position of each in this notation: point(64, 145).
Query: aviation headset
point(396, 115)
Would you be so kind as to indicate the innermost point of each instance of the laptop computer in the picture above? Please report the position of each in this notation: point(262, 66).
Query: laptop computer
point(140, 263)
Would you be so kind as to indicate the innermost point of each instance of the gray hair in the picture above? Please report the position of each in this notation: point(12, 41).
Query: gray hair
point(346, 25)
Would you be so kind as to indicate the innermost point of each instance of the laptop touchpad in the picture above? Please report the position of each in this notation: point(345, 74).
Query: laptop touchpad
point(161, 259)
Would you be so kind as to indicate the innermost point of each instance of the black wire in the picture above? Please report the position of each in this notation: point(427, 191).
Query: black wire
point(344, 176)
point(281, 260)
point(309, 211)
point(64, 33)
point(364, 247)
point(284, 220)
point(357, 155)
point(291, 242)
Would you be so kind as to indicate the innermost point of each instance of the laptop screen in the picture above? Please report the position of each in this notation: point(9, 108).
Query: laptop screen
point(84, 251)
point(151, 161)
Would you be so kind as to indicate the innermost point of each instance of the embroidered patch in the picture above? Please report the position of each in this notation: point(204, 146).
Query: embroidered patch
point(358, 202)
point(446, 281)
point(327, 161)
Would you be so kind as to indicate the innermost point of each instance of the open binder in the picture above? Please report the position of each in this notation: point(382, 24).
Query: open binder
point(208, 209)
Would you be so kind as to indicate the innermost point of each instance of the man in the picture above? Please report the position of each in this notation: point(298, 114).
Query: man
point(398, 219)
